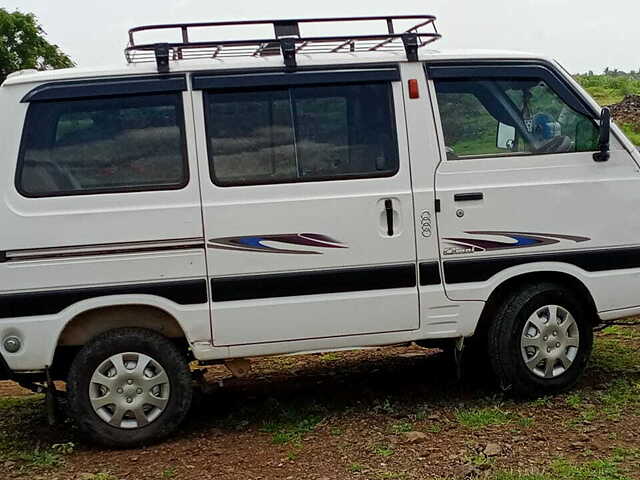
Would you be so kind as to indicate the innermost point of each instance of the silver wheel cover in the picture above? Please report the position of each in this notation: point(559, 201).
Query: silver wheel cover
point(550, 341)
point(129, 390)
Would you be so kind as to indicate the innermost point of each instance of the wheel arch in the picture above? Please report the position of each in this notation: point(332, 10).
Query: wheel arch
point(511, 284)
point(87, 324)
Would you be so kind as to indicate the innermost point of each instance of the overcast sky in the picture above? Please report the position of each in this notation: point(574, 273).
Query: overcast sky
point(582, 34)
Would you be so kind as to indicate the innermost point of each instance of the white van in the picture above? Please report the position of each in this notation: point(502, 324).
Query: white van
point(226, 199)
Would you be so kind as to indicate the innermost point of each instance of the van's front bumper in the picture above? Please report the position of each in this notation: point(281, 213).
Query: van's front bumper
point(5, 371)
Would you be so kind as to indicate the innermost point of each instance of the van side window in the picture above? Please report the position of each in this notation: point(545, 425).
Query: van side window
point(485, 117)
point(301, 134)
point(104, 145)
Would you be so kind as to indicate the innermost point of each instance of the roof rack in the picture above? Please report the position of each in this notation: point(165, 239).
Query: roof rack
point(287, 40)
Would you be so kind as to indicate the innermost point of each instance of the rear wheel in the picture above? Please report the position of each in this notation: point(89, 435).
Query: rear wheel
point(128, 387)
point(540, 340)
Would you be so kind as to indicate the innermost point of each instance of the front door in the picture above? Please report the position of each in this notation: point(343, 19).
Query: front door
point(307, 205)
point(519, 179)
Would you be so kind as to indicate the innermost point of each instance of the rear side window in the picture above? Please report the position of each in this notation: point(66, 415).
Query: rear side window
point(301, 134)
point(104, 145)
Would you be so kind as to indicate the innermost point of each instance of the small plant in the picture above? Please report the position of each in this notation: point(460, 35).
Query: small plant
point(574, 400)
point(384, 406)
point(383, 451)
point(391, 476)
point(100, 476)
point(291, 428)
point(337, 431)
point(526, 422)
point(292, 455)
point(169, 472)
point(401, 427)
point(434, 428)
point(44, 459)
point(483, 417)
point(356, 467)
point(329, 357)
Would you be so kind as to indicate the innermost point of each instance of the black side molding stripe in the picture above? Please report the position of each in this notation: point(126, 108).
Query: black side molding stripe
point(182, 292)
point(107, 87)
point(313, 282)
point(430, 273)
point(482, 269)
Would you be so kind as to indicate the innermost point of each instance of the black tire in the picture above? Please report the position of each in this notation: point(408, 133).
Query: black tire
point(122, 340)
point(505, 337)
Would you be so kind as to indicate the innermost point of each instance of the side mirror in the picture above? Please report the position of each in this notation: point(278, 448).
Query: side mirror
point(605, 137)
point(505, 137)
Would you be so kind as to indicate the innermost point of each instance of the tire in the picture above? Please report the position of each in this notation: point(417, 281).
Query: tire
point(126, 365)
point(509, 343)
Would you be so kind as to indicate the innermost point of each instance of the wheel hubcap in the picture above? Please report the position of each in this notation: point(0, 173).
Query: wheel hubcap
point(550, 341)
point(129, 390)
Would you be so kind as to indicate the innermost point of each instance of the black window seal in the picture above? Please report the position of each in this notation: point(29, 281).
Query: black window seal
point(228, 80)
point(106, 87)
point(218, 183)
point(180, 115)
point(496, 70)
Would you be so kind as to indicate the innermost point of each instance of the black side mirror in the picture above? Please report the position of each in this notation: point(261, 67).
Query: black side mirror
point(605, 137)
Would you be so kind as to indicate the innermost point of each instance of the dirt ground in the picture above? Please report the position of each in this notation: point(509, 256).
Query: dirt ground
point(393, 413)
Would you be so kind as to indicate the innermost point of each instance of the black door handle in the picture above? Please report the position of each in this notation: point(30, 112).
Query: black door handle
point(468, 197)
point(388, 207)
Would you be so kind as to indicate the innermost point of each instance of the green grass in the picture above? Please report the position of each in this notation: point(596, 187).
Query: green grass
point(102, 476)
point(291, 426)
point(613, 356)
point(383, 450)
point(402, 427)
point(608, 469)
point(607, 90)
point(329, 357)
point(621, 330)
point(356, 467)
point(483, 417)
point(168, 472)
point(20, 417)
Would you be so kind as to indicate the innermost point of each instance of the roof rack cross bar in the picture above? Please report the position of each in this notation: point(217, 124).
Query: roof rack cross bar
point(288, 40)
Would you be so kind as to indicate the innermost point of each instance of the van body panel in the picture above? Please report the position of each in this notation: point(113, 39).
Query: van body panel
point(293, 228)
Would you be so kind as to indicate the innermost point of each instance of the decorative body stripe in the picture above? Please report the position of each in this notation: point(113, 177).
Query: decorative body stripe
point(103, 249)
point(255, 243)
point(522, 239)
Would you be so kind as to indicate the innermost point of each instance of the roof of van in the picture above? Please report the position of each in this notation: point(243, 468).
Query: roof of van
point(251, 63)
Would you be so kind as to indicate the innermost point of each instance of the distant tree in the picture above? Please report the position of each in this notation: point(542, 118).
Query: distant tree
point(23, 45)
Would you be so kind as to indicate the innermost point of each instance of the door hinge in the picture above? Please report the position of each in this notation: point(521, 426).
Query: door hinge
point(437, 205)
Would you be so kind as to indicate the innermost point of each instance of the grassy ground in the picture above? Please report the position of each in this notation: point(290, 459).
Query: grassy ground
point(608, 90)
point(384, 414)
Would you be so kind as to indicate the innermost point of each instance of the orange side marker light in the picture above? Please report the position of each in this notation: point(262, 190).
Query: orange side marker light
point(414, 90)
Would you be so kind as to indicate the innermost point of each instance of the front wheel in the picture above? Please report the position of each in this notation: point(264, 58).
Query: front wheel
point(540, 340)
point(129, 387)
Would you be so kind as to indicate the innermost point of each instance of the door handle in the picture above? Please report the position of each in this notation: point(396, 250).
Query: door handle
point(468, 197)
point(388, 208)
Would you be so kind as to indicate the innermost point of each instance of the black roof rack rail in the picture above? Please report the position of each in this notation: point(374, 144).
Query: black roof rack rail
point(287, 40)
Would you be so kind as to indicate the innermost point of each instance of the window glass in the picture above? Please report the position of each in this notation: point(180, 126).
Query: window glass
point(491, 117)
point(103, 145)
point(301, 134)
